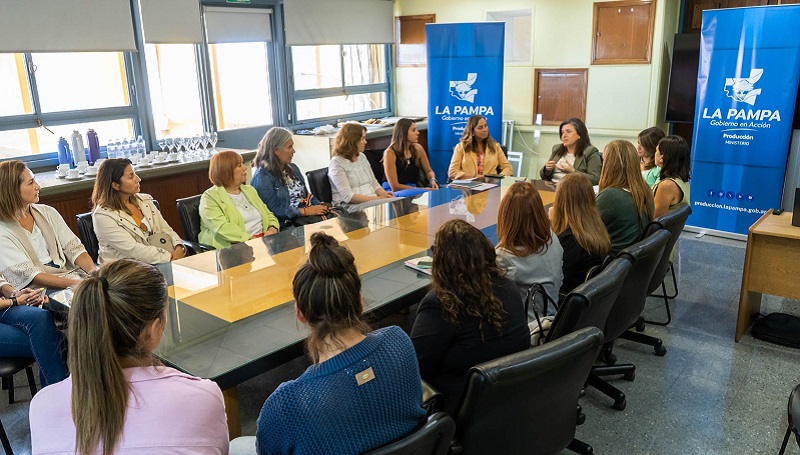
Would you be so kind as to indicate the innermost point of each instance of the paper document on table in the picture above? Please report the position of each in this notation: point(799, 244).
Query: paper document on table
point(472, 185)
point(422, 264)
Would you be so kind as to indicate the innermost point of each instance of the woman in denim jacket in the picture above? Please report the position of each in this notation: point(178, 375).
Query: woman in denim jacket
point(279, 182)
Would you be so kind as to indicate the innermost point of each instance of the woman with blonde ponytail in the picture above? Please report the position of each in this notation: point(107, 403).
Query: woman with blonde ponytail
point(118, 399)
point(364, 389)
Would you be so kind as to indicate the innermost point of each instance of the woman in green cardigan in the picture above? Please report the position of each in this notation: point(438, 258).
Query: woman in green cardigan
point(231, 211)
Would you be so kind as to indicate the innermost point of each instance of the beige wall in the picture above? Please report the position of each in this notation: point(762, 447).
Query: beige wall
point(621, 100)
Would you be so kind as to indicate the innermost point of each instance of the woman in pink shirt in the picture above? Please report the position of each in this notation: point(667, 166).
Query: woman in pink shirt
point(118, 399)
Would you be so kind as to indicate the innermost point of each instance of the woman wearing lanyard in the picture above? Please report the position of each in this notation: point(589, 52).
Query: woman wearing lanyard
point(231, 211)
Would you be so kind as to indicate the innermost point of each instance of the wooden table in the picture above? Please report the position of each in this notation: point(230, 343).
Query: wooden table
point(771, 265)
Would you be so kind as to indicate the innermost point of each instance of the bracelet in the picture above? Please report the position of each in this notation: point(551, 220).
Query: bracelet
point(182, 246)
point(303, 211)
point(433, 179)
point(13, 301)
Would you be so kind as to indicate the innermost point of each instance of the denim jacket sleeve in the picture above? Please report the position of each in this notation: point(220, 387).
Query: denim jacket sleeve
point(274, 193)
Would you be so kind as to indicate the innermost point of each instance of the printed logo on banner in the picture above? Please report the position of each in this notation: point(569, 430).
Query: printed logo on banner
point(462, 90)
point(743, 88)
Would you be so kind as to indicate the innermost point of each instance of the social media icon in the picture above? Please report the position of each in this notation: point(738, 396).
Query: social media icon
point(729, 195)
point(739, 196)
point(712, 193)
point(750, 197)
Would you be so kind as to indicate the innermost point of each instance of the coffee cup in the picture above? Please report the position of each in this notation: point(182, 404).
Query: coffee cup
point(73, 173)
point(99, 162)
point(134, 159)
point(144, 162)
point(91, 170)
point(163, 154)
point(161, 158)
point(62, 169)
point(82, 166)
point(172, 156)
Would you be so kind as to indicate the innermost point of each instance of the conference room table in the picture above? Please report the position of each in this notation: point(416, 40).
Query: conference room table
point(231, 315)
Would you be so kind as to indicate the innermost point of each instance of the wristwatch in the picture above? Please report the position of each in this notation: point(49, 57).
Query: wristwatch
point(13, 301)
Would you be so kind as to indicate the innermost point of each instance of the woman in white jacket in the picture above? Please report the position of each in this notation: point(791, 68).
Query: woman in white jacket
point(37, 246)
point(126, 221)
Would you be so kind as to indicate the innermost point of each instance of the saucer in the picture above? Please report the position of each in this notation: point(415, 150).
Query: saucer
point(61, 176)
point(144, 165)
point(160, 162)
point(176, 160)
point(74, 178)
point(90, 176)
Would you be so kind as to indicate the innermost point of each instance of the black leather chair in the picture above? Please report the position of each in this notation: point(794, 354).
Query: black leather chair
point(525, 402)
point(4, 440)
point(626, 311)
point(374, 157)
point(320, 185)
point(794, 418)
point(432, 439)
point(189, 215)
point(9, 366)
point(674, 222)
point(87, 236)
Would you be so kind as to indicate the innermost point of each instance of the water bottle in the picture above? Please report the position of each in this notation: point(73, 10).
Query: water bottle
point(64, 153)
point(125, 149)
point(78, 150)
point(94, 146)
point(141, 149)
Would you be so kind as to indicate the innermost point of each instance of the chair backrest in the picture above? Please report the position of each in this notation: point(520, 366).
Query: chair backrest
point(589, 304)
point(794, 412)
point(515, 158)
point(374, 157)
point(673, 222)
point(644, 256)
point(526, 402)
point(189, 215)
point(432, 439)
point(87, 235)
point(319, 184)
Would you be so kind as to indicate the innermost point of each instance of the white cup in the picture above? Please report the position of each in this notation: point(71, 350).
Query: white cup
point(73, 173)
point(62, 170)
point(134, 159)
point(99, 162)
point(144, 161)
point(161, 158)
point(63, 166)
point(91, 170)
point(163, 155)
point(172, 156)
point(82, 166)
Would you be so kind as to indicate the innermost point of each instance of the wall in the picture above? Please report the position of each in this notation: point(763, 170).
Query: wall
point(621, 100)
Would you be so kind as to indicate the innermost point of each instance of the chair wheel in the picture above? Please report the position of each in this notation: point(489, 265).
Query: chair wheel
point(629, 376)
point(620, 404)
point(611, 359)
point(640, 326)
point(581, 419)
point(660, 351)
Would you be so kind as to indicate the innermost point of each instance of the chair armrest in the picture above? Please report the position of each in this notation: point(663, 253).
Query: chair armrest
point(432, 399)
point(196, 248)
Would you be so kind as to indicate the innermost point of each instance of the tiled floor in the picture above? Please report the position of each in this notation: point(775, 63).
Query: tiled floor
point(708, 395)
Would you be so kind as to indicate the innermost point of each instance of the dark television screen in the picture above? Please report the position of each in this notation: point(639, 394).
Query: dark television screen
point(682, 92)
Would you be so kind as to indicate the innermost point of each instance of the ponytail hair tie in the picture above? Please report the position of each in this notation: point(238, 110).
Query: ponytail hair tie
point(104, 282)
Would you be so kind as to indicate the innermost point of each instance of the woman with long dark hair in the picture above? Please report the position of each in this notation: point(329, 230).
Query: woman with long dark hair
point(575, 153)
point(477, 153)
point(527, 248)
point(583, 236)
point(364, 389)
point(405, 162)
point(625, 201)
point(672, 189)
point(117, 398)
point(472, 313)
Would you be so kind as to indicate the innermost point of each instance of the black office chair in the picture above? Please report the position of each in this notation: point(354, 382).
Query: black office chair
point(525, 402)
point(432, 439)
point(189, 215)
point(794, 418)
point(674, 222)
point(9, 366)
point(4, 440)
point(374, 157)
point(626, 311)
point(87, 236)
point(320, 185)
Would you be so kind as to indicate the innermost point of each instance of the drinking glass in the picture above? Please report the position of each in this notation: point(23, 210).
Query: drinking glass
point(214, 139)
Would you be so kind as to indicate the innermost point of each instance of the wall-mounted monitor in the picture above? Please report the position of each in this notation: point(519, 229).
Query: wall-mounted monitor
point(682, 92)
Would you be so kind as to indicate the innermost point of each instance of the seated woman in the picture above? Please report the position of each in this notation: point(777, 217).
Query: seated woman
point(583, 236)
point(405, 162)
point(625, 202)
point(471, 314)
point(29, 331)
point(477, 154)
point(231, 211)
point(646, 149)
point(126, 221)
point(575, 153)
point(116, 388)
point(326, 409)
point(672, 189)
point(352, 181)
point(36, 245)
point(527, 248)
point(280, 184)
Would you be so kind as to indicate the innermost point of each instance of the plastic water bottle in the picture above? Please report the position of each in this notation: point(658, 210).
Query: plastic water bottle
point(64, 153)
point(78, 150)
point(125, 149)
point(94, 146)
point(141, 148)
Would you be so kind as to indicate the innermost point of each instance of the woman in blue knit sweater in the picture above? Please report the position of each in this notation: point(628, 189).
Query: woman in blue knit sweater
point(364, 389)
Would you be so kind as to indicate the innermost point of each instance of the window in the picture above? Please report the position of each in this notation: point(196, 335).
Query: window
point(518, 34)
point(44, 96)
point(339, 80)
point(174, 89)
point(241, 85)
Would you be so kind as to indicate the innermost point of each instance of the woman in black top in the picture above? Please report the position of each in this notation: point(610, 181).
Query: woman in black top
point(405, 162)
point(472, 313)
point(575, 219)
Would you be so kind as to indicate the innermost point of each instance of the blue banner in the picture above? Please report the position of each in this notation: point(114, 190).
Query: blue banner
point(465, 78)
point(746, 89)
